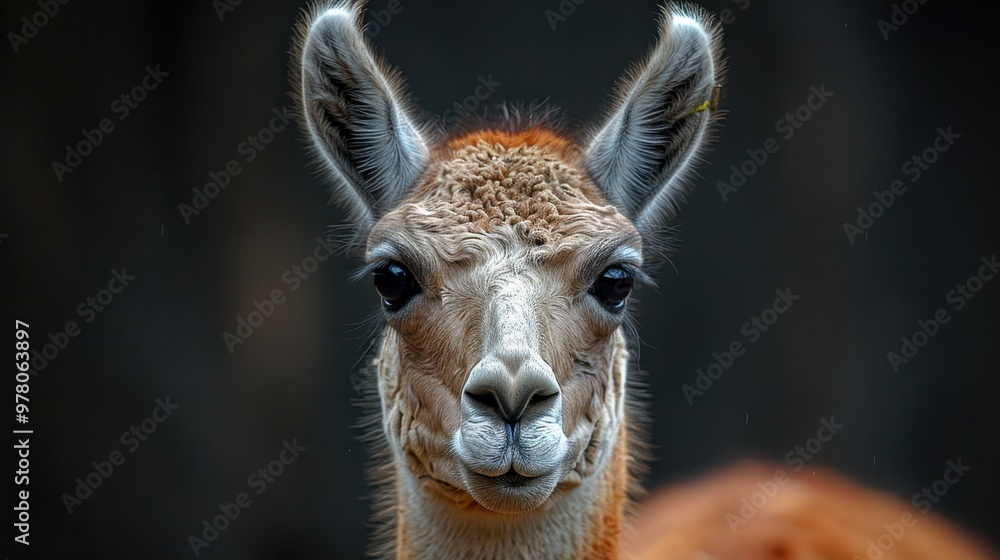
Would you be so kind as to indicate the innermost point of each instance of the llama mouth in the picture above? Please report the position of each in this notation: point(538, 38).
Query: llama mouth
point(510, 492)
point(512, 479)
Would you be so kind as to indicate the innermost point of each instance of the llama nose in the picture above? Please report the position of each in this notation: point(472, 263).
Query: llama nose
point(511, 390)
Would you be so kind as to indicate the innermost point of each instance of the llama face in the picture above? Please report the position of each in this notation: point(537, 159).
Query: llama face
point(504, 280)
point(503, 259)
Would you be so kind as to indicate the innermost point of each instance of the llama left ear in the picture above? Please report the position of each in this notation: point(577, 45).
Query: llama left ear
point(354, 109)
point(641, 154)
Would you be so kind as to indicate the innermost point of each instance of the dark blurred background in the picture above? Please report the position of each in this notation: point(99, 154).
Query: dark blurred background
point(162, 335)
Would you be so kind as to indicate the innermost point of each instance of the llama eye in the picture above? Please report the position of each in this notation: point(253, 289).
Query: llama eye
point(612, 287)
point(394, 284)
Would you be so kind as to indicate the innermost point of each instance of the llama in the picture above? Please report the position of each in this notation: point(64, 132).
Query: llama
point(506, 423)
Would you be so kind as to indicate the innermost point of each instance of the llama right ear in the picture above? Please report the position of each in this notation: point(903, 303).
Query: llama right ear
point(352, 105)
point(641, 154)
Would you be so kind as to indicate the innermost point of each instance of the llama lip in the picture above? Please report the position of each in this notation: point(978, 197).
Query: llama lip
point(511, 492)
point(512, 479)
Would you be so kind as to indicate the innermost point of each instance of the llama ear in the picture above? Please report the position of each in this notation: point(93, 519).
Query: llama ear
point(641, 154)
point(352, 106)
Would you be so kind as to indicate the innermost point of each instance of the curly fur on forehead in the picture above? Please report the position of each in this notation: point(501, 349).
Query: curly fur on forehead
point(528, 180)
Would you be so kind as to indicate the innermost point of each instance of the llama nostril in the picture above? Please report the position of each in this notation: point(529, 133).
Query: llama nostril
point(487, 399)
point(490, 400)
point(539, 398)
point(510, 410)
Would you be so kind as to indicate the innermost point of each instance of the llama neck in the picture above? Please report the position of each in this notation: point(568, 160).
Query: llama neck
point(585, 523)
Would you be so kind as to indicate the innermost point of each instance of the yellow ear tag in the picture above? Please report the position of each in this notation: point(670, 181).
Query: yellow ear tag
point(702, 107)
point(712, 102)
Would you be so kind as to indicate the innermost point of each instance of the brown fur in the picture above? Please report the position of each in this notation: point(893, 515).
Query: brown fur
point(607, 520)
point(530, 181)
point(815, 516)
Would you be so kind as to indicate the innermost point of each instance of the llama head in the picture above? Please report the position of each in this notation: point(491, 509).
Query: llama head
point(504, 258)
